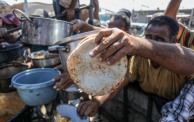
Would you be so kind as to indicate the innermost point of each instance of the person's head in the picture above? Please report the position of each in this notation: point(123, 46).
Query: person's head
point(120, 21)
point(10, 21)
point(124, 12)
point(40, 13)
point(163, 29)
point(157, 14)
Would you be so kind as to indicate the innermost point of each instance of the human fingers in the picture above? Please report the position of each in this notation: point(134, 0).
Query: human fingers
point(122, 52)
point(64, 83)
point(69, 83)
point(101, 34)
point(60, 76)
point(74, 21)
point(61, 82)
point(105, 44)
point(80, 107)
point(68, 17)
point(89, 111)
point(110, 51)
point(59, 67)
point(84, 108)
point(91, 114)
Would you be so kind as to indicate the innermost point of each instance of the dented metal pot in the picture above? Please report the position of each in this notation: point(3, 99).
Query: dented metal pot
point(43, 31)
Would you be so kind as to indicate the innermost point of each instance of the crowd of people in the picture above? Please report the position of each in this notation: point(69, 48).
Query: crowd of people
point(161, 61)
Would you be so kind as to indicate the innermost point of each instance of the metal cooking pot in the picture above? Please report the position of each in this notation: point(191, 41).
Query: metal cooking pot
point(35, 86)
point(43, 31)
point(7, 72)
point(10, 52)
point(48, 62)
point(68, 45)
point(71, 93)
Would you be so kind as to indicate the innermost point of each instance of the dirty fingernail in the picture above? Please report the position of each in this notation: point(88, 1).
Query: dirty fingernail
point(91, 54)
point(108, 63)
point(100, 59)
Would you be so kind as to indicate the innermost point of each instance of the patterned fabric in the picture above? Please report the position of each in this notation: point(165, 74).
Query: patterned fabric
point(187, 38)
point(182, 108)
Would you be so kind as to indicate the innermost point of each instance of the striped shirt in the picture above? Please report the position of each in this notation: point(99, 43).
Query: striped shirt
point(187, 38)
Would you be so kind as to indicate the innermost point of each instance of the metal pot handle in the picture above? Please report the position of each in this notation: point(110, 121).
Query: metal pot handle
point(14, 10)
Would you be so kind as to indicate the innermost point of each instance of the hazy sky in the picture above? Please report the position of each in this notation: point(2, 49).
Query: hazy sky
point(115, 5)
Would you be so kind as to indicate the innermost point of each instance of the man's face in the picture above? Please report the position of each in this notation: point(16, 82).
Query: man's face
point(118, 23)
point(158, 33)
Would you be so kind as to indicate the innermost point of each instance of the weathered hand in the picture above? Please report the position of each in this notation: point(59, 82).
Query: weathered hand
point(70, 14)
point(78, 25)
point(16, 63)
point(117, 44)
point(88, 108)
point(65, 81)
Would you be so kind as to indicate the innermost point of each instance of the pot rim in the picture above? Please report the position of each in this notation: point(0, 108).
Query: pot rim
point(54, 56)
point(50, 19)
point(32, 86)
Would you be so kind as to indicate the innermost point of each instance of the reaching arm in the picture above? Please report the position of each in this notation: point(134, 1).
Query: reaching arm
point(172, 11)
point(172, 8)
point(11, 38)
point(73, 4)
point(173, 57)
point(102, 99)
point(81, 25)
point(96, 10)
point(90, 108)
point(71, 10)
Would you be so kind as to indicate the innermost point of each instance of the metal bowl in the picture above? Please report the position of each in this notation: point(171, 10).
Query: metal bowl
point(35, 86)
point(7, 72)
point(10, 52)
point(49, 62)
point(69, 111)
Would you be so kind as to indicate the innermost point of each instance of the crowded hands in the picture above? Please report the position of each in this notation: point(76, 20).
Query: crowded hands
point(70, 14)
point(65, 80)
point(78, 25)
point(88, 108)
